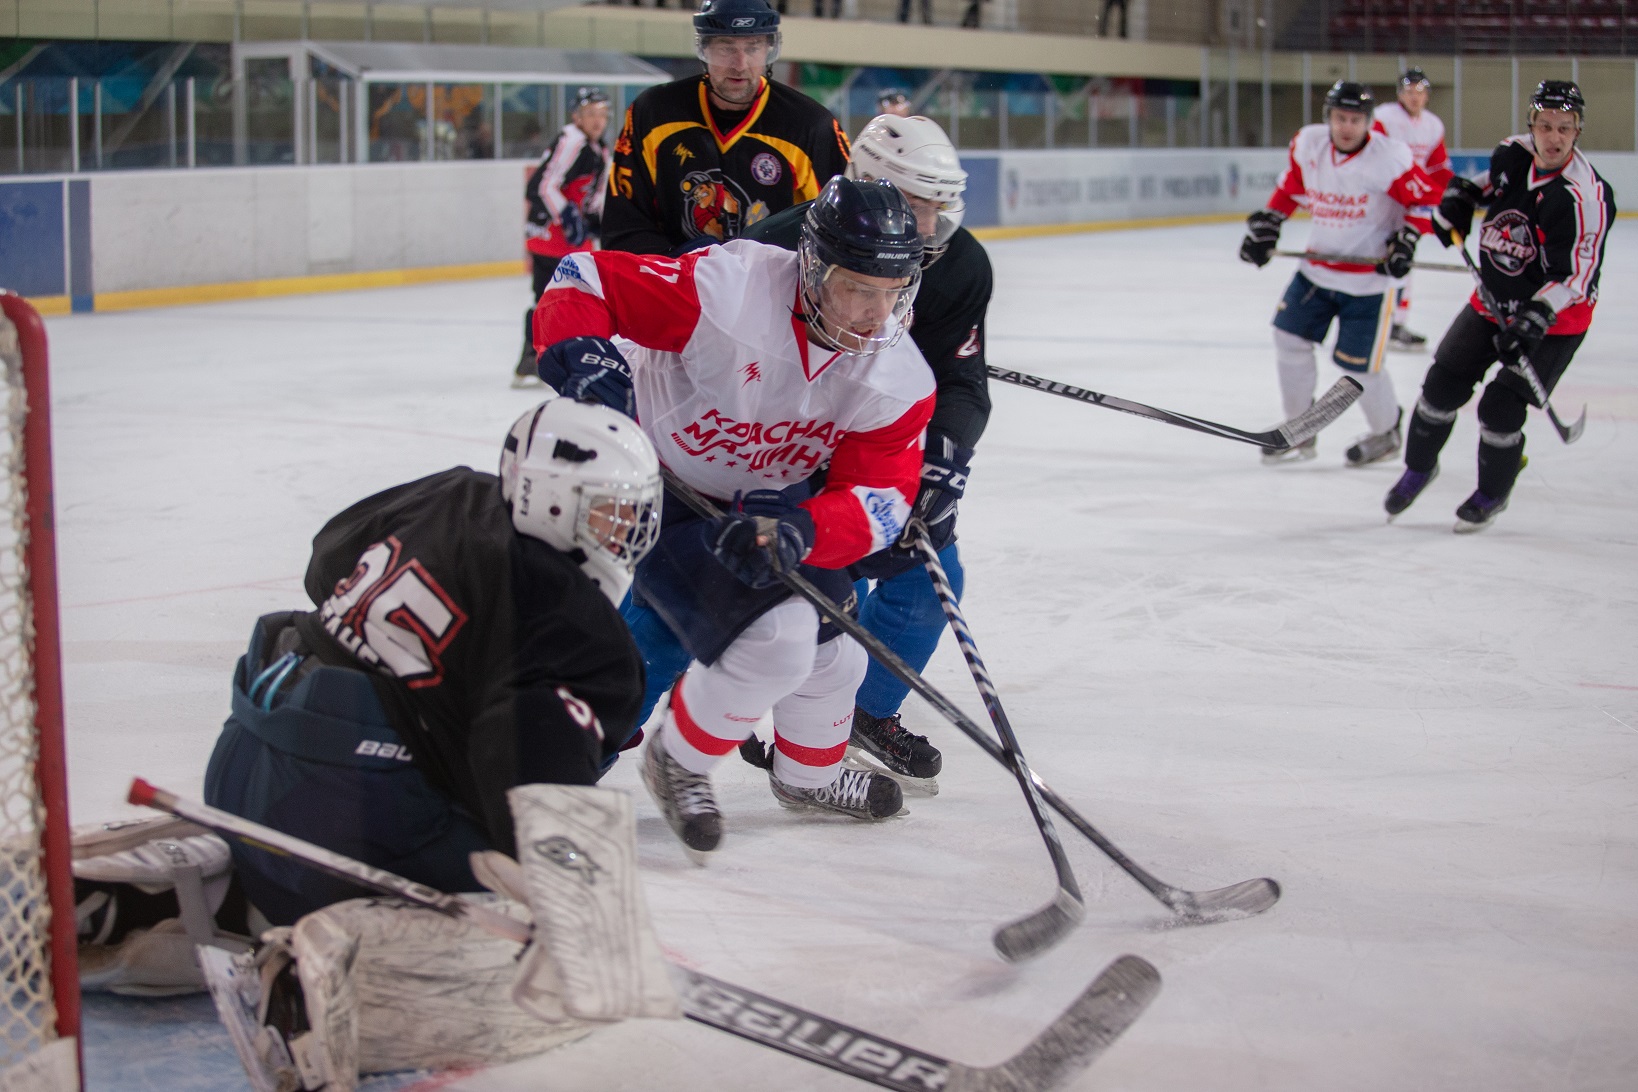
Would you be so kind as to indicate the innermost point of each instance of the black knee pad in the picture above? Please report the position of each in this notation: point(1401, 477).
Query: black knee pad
point(1502, 407)
point(1444, 389)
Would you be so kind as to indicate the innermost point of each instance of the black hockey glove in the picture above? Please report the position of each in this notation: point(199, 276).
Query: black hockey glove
point(1454, 216)
point(1401, 252)
point(1530, 324)
point(1262, 236)
point(589, 369)
point(785, 529)
point(573, 223)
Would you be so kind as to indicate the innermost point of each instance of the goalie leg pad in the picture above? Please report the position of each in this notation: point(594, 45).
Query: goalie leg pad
point(595, 956)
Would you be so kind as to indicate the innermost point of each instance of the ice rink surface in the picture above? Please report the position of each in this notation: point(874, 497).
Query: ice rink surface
point(1430, 740)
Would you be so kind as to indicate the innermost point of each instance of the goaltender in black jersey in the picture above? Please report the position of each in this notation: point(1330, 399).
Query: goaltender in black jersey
point(706, 157)
point(465, 641)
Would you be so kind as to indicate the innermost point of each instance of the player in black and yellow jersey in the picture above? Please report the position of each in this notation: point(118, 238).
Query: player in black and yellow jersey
point(708, 156)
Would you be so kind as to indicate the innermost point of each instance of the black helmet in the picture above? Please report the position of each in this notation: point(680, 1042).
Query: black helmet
point(736, 19)
point(1348, 95)
point(864, 227)
point(867, 228)
point(587, 96)
point(1557, 95)
point(1413, 77)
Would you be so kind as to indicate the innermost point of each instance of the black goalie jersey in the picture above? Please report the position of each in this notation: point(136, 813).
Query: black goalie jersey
point(685, 170)
point(1543, 233)
point(506, 664)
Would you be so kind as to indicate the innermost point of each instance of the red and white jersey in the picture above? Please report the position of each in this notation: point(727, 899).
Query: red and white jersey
point(1356, 200)
point(734, 394)
point(1425, 134)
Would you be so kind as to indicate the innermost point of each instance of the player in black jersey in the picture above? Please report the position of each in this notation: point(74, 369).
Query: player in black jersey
point(1540, 250)
point(903, 610)
point(706, 157)
point(466, 640)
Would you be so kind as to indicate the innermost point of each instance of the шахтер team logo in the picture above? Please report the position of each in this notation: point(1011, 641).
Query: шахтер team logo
point(1509, 241)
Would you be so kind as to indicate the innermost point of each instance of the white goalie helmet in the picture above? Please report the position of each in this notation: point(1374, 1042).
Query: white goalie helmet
point(914, 154)
point(584, 479)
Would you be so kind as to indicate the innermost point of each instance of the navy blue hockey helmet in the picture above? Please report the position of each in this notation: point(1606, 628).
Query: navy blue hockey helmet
point(1557, 95)
point(736, 19)
point(1348, 95)
point(866, 228)
point(1413, 77)
point(587, 96)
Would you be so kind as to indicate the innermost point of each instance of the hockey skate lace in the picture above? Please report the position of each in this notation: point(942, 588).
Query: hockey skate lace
point(848, 791)
point(694, 796)
point(896, 739)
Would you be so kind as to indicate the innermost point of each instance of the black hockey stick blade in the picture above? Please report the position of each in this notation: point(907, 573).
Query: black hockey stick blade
point(1326, 408)
point(1355, 259)
point(1197, 907)
point(1526, 370)
point(1104, 1010)
point(1275, 439)
point(1029, 936)
point(1069, 1044)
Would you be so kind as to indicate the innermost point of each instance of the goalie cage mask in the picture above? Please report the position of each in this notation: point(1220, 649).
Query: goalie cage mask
point(584, 480)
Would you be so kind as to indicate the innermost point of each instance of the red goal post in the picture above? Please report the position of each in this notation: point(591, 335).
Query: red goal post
point(39, 987)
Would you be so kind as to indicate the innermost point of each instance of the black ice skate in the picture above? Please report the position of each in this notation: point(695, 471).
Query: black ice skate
point(1406, 340)
point(1301, 453)
point(1376, 446)
point(1478, 512)
point(1406, 490)
point(859, 793)
point(685, 799)
point(885, 744)
point(524, 374)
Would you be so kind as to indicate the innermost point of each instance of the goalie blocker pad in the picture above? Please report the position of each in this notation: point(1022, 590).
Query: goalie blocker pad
point(594, 956)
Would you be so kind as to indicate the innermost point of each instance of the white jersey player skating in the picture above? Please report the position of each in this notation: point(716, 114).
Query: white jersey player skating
point(1409, 120)
point(752, 369)
point(1357, 187)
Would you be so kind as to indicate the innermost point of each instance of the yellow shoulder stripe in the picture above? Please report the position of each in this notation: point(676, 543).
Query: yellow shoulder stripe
point(805, 185)
point(651, 144)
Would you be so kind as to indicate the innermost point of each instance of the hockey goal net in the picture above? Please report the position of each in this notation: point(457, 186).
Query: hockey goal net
point(39, 992)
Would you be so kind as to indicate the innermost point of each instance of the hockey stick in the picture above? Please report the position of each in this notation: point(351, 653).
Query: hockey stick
point(1104, 1010)
point(1044, 928)
point(1200, 907)
point(1355, 259)
point(1300, 429)
point(1568, 433)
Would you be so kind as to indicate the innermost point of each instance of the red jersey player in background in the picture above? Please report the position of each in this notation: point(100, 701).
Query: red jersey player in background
point(565, 195)
point(1357, 187)
point(1411, 121)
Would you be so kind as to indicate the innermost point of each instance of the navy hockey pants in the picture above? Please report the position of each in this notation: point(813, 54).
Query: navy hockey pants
point(903, 611)
point(321, 761)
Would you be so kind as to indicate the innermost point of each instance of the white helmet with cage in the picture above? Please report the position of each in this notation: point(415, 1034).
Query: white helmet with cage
point(584, 479)
point(916, 156)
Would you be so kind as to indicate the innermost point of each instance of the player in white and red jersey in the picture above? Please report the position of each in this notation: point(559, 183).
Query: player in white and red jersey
point(753, 369)
point(1411, 121)
point(1357, 187)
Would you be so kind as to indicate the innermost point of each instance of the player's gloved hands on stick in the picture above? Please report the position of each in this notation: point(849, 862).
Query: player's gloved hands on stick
point(764, 534)
point(1401, 252)
point(1454, 216)
point(1262, 236)
point(943, 482)
point(573, 223)
point(589, 369)
point(1530, 324)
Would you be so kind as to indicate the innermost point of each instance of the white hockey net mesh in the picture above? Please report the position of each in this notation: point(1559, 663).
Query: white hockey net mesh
point(27, 1010)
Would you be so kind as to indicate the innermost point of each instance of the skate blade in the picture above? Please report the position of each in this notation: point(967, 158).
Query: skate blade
point(524, 382)
point(857, 758)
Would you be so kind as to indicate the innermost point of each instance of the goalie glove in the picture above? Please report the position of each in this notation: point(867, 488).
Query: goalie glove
point(1262, 236)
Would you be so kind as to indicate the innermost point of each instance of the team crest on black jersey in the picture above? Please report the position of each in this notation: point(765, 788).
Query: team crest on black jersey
point(1510, 241)
point(717, 206)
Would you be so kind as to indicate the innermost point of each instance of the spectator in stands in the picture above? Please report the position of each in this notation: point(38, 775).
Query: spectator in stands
point(893, 100)
point(974, 17)
point(926, 11)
